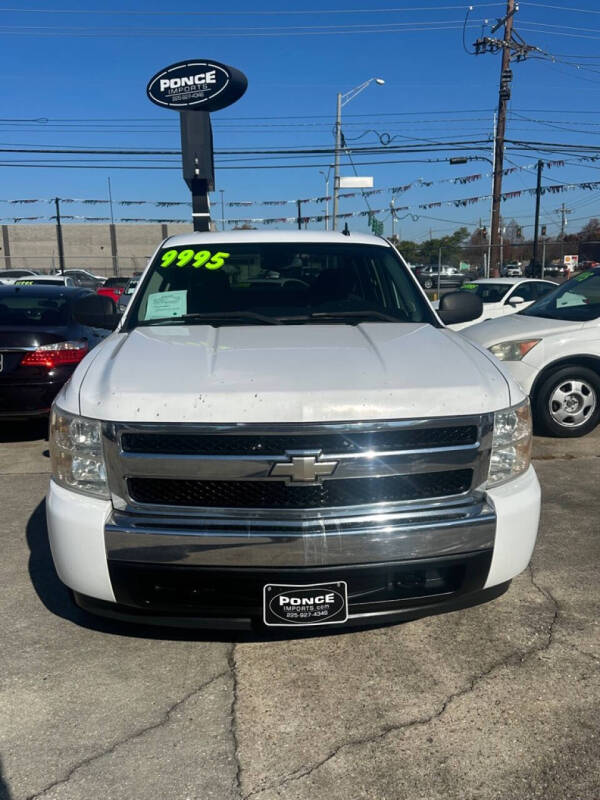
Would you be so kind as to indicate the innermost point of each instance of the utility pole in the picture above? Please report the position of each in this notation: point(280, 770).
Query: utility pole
point(59, 238)
point(543, 257)
point(538, 194)
point(110, 202)
point(503, 98)
point(513, 47)
point(563, 229)
point(113, 233)
point(393, 210)
point(222, 209)
point(489, 249)
point(336, 165)
point(299, 202)
point(563, 219)
point(326, 176)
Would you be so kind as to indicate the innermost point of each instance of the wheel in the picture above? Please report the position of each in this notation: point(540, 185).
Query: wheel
point(428, 283)
point(567, 403)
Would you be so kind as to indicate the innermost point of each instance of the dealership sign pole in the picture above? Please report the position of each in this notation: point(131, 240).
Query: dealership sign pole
point(195, 88)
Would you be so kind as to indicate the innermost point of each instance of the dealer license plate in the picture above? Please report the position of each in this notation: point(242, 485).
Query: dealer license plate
point(287, 605)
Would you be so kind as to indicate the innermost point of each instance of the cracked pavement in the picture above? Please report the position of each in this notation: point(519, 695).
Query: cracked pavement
point(494, 702)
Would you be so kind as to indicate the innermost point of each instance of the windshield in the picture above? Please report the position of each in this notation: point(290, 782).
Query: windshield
point(489, 292)
point(26, 310)
point(577, 300)
point(273, 283)
point(118, 282)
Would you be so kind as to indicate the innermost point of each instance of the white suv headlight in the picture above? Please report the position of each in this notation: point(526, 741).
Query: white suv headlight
point(513, 351)
point(511, 444)
point(76, 453)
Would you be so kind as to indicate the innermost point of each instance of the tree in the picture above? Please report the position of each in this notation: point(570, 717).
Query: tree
point(451, 247)
point(410, 251)
point(591, 231)
point(513, 232)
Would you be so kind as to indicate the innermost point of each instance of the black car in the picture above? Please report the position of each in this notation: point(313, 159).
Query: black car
point(45, 331)
point(449, 277)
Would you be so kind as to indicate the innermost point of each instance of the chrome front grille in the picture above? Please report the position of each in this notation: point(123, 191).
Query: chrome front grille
point(274, 444)
point(277, 494)
point(287, 471)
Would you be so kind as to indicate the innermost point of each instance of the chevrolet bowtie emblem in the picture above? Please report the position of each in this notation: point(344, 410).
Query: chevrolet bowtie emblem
point(303, 468)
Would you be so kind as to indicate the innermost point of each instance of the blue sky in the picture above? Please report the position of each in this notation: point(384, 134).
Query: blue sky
point(86, 74)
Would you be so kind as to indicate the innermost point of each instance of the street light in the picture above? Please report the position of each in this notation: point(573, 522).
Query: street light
point(343, 100)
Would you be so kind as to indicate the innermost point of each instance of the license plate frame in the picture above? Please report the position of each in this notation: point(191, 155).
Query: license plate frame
point(309, 613)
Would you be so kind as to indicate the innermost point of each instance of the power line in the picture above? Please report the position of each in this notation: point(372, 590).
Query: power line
point(560, 33)
point(211, 13)
point(187, 33)
point(562, 8)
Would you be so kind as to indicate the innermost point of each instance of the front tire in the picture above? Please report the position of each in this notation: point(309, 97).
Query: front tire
point(567, 403)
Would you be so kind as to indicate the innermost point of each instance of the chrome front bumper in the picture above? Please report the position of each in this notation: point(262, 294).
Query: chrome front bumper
point(465, 526)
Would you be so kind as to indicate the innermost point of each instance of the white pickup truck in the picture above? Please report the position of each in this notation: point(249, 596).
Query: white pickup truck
point(282, 432)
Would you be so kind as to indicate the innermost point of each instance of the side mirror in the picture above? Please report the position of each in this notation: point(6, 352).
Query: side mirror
point(96, 311)
point(516, 300)
point(458, 307)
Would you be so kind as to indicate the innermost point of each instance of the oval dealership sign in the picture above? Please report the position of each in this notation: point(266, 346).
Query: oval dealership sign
point(197, 85)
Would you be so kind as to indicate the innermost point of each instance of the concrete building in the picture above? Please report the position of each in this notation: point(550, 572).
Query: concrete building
point(105, 249)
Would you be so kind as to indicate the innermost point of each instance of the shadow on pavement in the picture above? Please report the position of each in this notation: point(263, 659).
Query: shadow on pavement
point(56, 598)
point(30, 430)
point(4, 790)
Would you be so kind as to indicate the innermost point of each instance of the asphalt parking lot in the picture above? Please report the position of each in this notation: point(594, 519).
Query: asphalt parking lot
point(497, 701)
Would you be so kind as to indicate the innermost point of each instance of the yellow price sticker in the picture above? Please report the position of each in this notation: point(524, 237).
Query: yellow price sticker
point(193, 258)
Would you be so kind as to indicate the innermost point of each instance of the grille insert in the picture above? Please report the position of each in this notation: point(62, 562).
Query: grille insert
point(275, 494)
point(277, 444)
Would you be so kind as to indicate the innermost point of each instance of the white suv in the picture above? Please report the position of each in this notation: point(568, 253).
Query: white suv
point(502, 296)
point(553, 349)
point(316, 449)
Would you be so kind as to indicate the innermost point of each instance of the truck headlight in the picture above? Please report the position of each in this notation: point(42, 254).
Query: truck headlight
point(513, 351)
point(76, 453)
point(511, 444)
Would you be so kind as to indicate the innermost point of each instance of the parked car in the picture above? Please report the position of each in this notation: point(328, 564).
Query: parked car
point(327, 454)
point(127, 294)
point(501, 296)
point(556, 270)
point(82, 277)
point(41, 343)
point(44, 280)
point(553, 349)
point(9, 276)
point(513, 271)
point(449, 277)
point(113, 288)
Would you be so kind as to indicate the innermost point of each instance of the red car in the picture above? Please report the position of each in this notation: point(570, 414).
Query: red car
point(113, 288)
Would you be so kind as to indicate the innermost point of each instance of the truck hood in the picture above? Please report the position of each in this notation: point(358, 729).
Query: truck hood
point(292, 373)
point(517, 326)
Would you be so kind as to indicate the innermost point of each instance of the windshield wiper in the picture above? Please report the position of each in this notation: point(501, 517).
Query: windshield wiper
point(214, 316)
point(354, 314)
